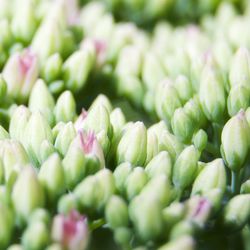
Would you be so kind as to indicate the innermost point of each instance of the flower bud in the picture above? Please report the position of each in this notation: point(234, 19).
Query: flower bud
point(18, 123)
point(160, 164)
point(215, 197)
point(27, 194)
point(54, 246)
point(160, 188)
point(41, 100)
point(123, 236)
point(36, 236)
point(64, 138)
point(239, 98)
point(200, 139)
point(24, 21)
point(37, 130)
point(56, 87)
point(3, 133)
point(135, 182)
point(133, 145)
point(168, 142)
point(3, 87)
point(185, 167)
point(184, 88)
point(145, 214)
point(183, 243)
point(167, 100)
point(235, 141)
point(102, 100)
point(6, 225)
point(237, 212)
point(65, 109)
point(15, 247)
point(51, 177)
point(71, 231)
point(25, 67)
point(240, 71)
point(121, 174)
point(212, 176)
point(116, 212)
point(152, 71)
point(182, 125)
point(245, 187)
point(40, 215)
point(77, 67)
point(67, 203)
point(183, 228)
point(52, 68)
point(212, 94)
point(152, 145)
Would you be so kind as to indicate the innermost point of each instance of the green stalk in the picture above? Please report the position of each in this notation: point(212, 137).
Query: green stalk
point(235, 182)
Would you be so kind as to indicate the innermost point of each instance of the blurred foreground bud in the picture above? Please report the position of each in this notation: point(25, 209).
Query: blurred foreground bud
point(116, 212)
point(182, 243)
point(235, 141)
point(237, 212)
point(212, 176)
point(20, 73)
point(160, 164)
point(132, 146)
point(27, 194)
point(184, 170)
point(70, 231)
point(65, 109)
point(51, 177)
point(41, 100)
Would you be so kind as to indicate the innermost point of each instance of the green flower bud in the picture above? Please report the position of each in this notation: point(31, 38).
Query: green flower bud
point(25, 66)
point(173, 214)
point(116, 212)
point(117, 120)
point(123, 236)
point(194, 111)
point(33, 138)
point(48, 39)
point(167, 100)
point(18, 122)
point(185, 167)
point(200, 139)
point(6, 35)
point(46, 149)
point(54, 246)
point(133, 145)
point(121, 174)
point(13, 157)
point(51, 177)
point(235, 141)
point(104, 141)
point(152, 145)
point(52, 68)
point(239, 98)
point(56, 87)
point(152, 71)
point(245, 187)
point(145, 214)
point(130, 86)
point(41, 100)
point(240, 71)
point(36, 236)
point(67, 203)
point(135, 182)
point(27, 194)
point(102, 100)
point(24, 22)
point(215, 197)
point(182, 125)
point(6, 225)
point(40, 215)
point(129, 61)
point(183, 228)
point(160, 188)
point(212, 94)
point(237, 212)
point(160, 164)
point(184, 88)
point(64, 138)
point(77, 67)
point(65, 109)
point(181, 243)
point(212, 176)
point(168, 142)
point(1, 173)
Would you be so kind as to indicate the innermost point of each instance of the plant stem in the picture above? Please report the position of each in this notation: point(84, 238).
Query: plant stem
point(235, 182)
